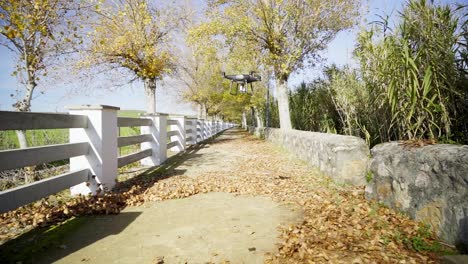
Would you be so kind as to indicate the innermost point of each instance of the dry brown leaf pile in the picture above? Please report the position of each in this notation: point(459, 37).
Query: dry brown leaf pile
point(339, 225)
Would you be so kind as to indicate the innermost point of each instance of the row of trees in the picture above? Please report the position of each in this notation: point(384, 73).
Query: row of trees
point(274, 38)
point(135, 38)
point(411, 84)
point(129, 37)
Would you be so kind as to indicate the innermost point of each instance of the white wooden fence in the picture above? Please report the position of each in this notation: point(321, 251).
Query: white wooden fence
point(93, 148)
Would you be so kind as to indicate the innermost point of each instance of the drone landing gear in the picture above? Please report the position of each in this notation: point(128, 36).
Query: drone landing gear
point(243, 89)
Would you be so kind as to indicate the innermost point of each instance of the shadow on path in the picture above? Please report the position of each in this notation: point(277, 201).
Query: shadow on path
point(38, 242)
point(170, 168)
point(26, 247)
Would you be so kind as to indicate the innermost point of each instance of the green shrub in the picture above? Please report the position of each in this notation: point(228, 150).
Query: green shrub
point(412, 82)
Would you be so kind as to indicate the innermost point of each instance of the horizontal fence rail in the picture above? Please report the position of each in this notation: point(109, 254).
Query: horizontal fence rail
point(172, 144)
point(94, 152)
point(131, 122)
point(16, 197)
point(18, 158)
point(27, 120)
point(130, 158)
point(172, 133)
point(132, 140)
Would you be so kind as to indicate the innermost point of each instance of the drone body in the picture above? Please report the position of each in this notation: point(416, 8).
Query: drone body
point(241, 81)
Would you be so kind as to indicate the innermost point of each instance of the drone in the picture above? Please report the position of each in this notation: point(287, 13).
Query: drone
point(241, 81)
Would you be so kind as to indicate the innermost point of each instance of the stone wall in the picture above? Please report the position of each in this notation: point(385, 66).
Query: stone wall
point(429, 183)
point(344, 158)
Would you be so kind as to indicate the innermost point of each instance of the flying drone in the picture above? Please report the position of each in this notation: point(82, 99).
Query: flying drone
point(242, 81)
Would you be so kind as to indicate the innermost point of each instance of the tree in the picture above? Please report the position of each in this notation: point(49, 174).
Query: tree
point(288, 33)
point(134, 36)
point(201, 74)
point(37, 32)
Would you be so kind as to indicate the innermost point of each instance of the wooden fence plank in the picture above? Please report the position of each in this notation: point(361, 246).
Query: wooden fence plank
point(16, 197)
point(130, 122)
point(172, 133)
point(27, 120)
point(172, 144)
point(131, 140)
point(124, 160)
point(18, 158)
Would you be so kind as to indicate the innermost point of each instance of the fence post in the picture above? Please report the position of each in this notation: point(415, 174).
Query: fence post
point(180, 136)
point(190, 124)
point(200, 131)
point(158, 145)
point(206, 129)
point(212, 131)
point(101, 134)
point(210, 128)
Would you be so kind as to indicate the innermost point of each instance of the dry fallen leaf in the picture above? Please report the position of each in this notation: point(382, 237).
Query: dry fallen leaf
point(339, 225)
point(158, 260)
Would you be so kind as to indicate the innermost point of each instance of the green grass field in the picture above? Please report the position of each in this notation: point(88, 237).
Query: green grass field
point(43, 137)
point(129, 131)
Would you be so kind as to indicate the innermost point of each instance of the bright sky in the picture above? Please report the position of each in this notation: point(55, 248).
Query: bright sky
point(58, 96)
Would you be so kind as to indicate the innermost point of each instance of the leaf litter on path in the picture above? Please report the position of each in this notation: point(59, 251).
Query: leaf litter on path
point(339, 225)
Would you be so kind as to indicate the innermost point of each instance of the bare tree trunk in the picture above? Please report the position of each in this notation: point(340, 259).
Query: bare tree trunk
point(25, 106)
point(252, 115)
point(21, 134)
point(283, 104)
point(205, 111)
point(244, 120)
point(200, 111)
point(267, 108)
point(150, 92)
point(259, 119)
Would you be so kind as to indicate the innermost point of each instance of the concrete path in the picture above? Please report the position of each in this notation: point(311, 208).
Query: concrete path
point(205, 228)
point(223, 201)
point(213, 227)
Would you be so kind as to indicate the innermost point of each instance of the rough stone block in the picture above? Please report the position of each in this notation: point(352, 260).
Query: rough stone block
point(428, 183)
point(344, 158)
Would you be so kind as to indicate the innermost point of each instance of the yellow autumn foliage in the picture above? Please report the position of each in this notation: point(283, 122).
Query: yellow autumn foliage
point(135, 36)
